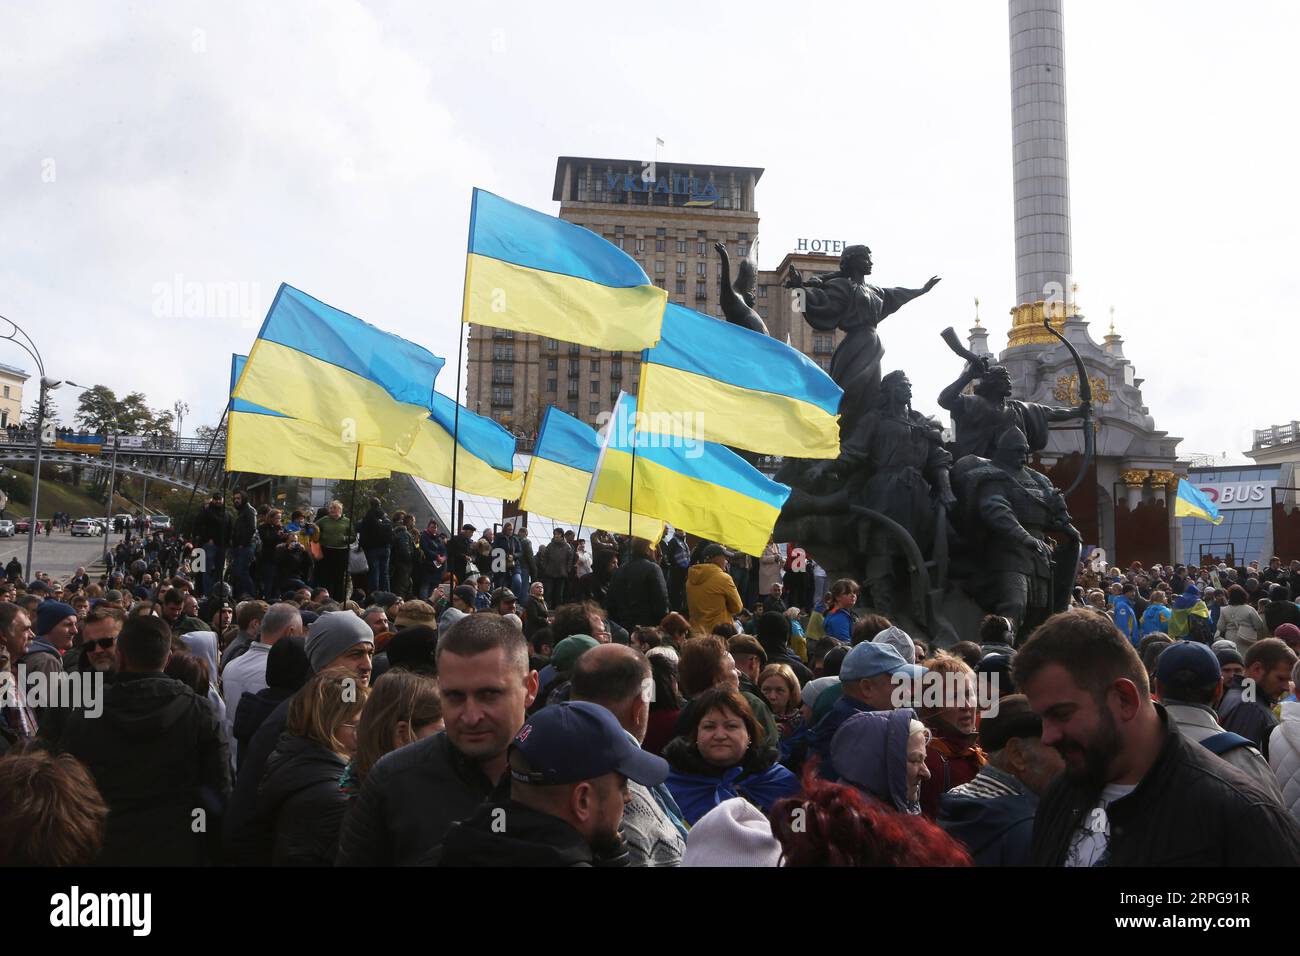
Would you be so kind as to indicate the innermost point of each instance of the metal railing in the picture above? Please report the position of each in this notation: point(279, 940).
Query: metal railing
point(1277, 435)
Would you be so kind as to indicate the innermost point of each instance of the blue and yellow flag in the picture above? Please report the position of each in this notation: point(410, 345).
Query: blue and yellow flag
point(559, 477)
point(264, 442)
point(318, 364)
point(1193, 503)
point(531, 272)
point(86, 444)
point(700, 487)
point(717, 381)
point(484, 463)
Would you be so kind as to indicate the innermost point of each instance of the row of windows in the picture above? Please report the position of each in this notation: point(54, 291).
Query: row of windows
point(593, 388)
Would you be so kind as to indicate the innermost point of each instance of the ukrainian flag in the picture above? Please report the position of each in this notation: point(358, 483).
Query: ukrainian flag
point(700, 487)
point(1193, 503)
point(559, 477)
point(86, 444)
point(320, 365)
point(531, 272)
point(717, 381)
point(263, 442)
point(484, 464)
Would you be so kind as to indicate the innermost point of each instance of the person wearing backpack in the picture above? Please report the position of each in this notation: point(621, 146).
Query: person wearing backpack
point(1189, 682)
point(1126, 619)
point(1190, 618)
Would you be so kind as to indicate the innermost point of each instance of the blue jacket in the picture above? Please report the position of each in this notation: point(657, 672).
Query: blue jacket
point(839, 625)
point(993, 815)
point(1155, 619)
point(698, 787)
point(1125, 618)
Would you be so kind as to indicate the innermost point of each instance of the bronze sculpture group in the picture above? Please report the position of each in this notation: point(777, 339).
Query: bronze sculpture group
point(910, 516)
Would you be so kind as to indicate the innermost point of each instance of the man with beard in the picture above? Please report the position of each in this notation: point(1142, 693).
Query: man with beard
point(1135, 791)
point(569, 770)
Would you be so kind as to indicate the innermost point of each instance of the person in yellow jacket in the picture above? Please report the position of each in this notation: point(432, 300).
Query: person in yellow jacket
point(711, 594)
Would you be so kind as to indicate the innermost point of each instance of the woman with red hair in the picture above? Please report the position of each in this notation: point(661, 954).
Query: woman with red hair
point(831, 824)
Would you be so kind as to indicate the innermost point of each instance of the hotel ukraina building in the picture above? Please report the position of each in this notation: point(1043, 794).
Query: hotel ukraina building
point(668, 222)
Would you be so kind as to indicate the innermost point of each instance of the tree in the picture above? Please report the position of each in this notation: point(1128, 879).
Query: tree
point(381, 488)
point(96, 409)
point(51, 413)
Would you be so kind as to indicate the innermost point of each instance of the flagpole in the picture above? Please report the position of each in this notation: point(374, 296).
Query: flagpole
point(352, 507)
point(452, 528)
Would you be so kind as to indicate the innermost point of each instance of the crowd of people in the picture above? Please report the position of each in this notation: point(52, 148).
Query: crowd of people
point(319, 693)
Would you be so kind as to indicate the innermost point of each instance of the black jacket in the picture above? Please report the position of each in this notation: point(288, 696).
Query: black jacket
point(251, 711)
point(1191, 809)
point(301, 803)
point(529, 838)
point(459, 548)
point(158, 753)
point(248, 839)
point(376, 530)
point(245, 526)
point(408, 802)
point(213, 524)
point(1252, 719)
point(638, 594)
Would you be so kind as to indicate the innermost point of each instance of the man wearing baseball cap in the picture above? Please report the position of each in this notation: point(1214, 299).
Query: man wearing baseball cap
point(868, 679)
point(993, 814)
point(711, 593)
point(569, 768)
point(1190, 685)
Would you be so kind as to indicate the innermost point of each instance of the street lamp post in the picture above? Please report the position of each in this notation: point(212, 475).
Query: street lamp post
point(27, 345)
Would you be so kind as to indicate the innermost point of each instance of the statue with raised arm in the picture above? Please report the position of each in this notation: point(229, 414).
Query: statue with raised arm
point(1005, 512)
point(845, 301)
point(738, 299)
point(979, 420)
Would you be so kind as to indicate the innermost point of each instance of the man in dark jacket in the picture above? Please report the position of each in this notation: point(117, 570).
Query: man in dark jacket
point(555, 562)
point(993, 815)
point(1135, 791)
point(377, 542)
point(158, 755)
point(271, 535)
point(459, 549)
point(677, 555)
point(569, 770)
point(638, 593)
point(413, 795)
point(1247, 707)
point(212, 532)
point(241, 550)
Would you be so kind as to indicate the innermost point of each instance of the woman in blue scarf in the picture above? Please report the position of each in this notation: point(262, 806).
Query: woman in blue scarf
point(719, 757)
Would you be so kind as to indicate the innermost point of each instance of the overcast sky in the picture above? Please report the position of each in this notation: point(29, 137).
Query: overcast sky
point(333, 145)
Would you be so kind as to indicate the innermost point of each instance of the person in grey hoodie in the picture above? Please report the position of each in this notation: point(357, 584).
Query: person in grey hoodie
point(882, 753)
point(993, 814)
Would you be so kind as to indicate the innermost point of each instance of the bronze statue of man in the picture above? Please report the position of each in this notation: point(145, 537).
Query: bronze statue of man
point(1006, 509)
point(979, 420)
point(895, 463)
point(845, 301)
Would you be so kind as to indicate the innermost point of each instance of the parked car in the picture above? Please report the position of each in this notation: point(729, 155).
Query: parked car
point(6, 528)
point(86, 528)
point(160, 522)
point(23, 525)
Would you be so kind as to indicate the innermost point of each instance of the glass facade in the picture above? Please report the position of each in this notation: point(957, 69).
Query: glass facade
point(1245, 535)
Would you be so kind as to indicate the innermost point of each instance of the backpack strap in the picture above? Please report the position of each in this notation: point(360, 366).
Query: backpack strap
point(1219, 744)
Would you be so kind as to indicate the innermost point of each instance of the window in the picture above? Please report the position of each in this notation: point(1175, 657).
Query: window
point(503, 375)
point(699, 249)
point(742, 249)
point(593, 408)
point(503, 353)
point(681, 287)
point(595, 365)
point(503, 396)
point(573, 408)
point(681, 268)
point(616, 370)
point(552, 364)
point(681, 245)
point(502, 334)
point(660, 245)
point(701, 268)
point(594, 386)
point(573, 368)
point(762, 292)
point(6, 391)
point(550, 385)
point(701, 290)
point(659, 267)
point(823, 344)
point(701, 234)
point(661, 232)
point(573, 390)
point(618, 241)
point(640, 245)
point(575, 349)
point(618, 228)
point(595, 350)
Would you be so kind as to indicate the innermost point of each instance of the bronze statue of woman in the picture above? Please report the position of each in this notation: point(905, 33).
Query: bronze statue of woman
point(845, 300)
point(738, 300)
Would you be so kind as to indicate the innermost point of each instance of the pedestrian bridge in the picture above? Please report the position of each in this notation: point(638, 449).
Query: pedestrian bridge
point(189, 463)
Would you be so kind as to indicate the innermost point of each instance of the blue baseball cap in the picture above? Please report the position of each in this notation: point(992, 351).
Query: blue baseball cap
point(575, 741)
point(868, 659)
point(1187, 665)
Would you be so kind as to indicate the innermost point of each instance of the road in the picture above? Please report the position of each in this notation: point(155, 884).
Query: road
point(59, 554)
